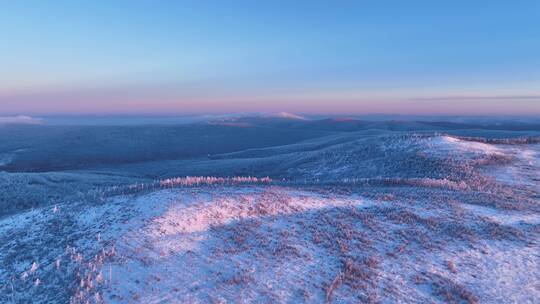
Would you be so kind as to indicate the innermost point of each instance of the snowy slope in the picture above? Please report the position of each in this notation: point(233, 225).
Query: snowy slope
point(273, 244)
point(361, 217)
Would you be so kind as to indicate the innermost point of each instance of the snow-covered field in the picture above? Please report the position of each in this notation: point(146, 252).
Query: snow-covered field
point(392, 218)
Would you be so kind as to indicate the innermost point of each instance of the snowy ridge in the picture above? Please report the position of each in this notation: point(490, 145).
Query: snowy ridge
point(20, 120)
point(287, 115)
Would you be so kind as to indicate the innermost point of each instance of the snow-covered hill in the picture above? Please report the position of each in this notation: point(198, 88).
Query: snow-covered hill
point(368, 216)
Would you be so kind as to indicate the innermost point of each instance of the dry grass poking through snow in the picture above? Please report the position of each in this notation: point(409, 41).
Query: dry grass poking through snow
point(283, 245)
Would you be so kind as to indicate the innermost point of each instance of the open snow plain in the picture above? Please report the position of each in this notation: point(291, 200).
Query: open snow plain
point(275, 211)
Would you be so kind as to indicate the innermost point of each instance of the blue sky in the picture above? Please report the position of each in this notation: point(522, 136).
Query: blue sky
point(184, 57)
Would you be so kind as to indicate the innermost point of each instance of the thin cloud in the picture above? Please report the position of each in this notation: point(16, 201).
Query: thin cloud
point(506, 97)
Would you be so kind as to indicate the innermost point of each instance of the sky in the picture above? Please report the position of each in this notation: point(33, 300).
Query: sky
point(313, 57)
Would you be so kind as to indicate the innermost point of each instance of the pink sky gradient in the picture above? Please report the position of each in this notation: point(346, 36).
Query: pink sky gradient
point(160, 100)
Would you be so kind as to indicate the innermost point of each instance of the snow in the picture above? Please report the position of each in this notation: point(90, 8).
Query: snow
point(20, 119)
point(449, 144)
point(192, 235)
point(6, 158)
point(289, 116)
point(389, 222)
point(504, 217)
point(502, 272)
point(276, 244)
point(525, 170)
